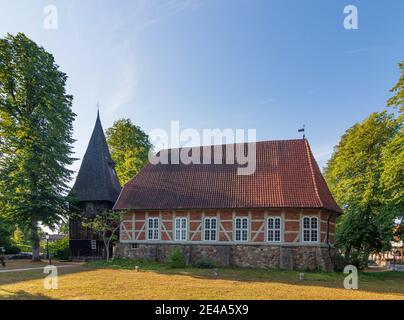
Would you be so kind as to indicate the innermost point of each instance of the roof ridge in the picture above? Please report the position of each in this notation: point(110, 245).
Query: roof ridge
point(308, 151)
point(229, 144)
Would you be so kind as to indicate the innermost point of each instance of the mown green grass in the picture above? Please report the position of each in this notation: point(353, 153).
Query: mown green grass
point(245, 273)
point(118, 279)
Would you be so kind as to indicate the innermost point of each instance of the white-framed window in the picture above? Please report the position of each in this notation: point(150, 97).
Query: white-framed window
point(210, 229)
point(241, 229)
point(153, 229)
point(93, 244)
point(274, 229)
point(181, 229)
point(310, 229)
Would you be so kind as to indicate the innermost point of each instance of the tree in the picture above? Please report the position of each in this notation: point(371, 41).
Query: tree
point(397, 100)
point(129, 147)
point(354, 176)
point(393, 153)
point(106, 224)
point(35, 136)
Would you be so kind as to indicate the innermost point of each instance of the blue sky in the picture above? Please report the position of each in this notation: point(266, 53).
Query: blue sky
point(270, 65)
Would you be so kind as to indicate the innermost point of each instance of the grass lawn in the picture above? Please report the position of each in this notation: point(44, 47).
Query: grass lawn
point(119, 280)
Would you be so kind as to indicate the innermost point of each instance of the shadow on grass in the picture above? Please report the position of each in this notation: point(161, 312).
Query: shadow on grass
point(377, 282)
point(8, 278)
point(21, 295)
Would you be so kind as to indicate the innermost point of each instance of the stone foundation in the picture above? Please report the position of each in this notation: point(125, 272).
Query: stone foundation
point(245, 256)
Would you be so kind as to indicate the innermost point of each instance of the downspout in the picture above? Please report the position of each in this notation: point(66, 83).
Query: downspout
point(328, 236)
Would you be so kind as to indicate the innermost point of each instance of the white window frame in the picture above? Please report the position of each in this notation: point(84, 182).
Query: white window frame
point(210, 229)
point(310, 229)
point(181, 228)
point(153, 229)
point(241, 229)
point(280, 229)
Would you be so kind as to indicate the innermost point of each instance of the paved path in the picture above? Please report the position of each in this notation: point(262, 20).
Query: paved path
point(38, 268)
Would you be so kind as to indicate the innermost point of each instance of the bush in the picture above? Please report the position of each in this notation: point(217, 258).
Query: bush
point(176, 259)
point(12, 249)
point(355, 259)
point(203, 264)
point(58, 249)
point(24, 247)
point(339, 262)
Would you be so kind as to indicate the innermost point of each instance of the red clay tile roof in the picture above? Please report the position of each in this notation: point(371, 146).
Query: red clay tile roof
point(286, 176)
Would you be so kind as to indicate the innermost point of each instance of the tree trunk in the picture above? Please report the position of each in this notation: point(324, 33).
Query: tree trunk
point(35, 241)
point(107, 247)
point(106, 243)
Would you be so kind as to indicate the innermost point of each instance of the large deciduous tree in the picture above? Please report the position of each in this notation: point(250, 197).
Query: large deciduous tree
point(393, 153)
point(365, 174)
point(35, 136)
point(129, 147)
point(354, 176)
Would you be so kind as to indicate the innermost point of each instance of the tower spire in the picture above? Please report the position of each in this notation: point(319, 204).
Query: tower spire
point(96, 179)
point(98, 110)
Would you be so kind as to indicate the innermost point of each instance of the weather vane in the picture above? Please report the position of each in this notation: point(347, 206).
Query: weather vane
point(303, 130)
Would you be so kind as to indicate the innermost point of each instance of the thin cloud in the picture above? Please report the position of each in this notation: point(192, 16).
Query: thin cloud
point(148, 13)
point(126, 88)
point(267, 101)
point(370, 49)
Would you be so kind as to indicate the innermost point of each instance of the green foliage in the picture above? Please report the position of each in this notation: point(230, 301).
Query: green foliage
point(354, 170)
point(203, 264)
point(57, 249)
point(354, 175)
point(21, 240)
point(393, 153)
point(176, 259)
point(6, 241)
point(397, 100)
point(366, 177)
point(392, 177)
point(35, 136)
point(129, 147)
point(357, 259)
point(106, 224)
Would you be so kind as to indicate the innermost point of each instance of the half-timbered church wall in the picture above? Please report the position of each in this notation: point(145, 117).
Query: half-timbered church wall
point(220, 236)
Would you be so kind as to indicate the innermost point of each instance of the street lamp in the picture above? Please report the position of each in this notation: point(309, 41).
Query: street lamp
point(47, 248)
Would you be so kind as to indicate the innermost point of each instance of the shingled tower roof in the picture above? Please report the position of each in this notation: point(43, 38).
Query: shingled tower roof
point(97, 180)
